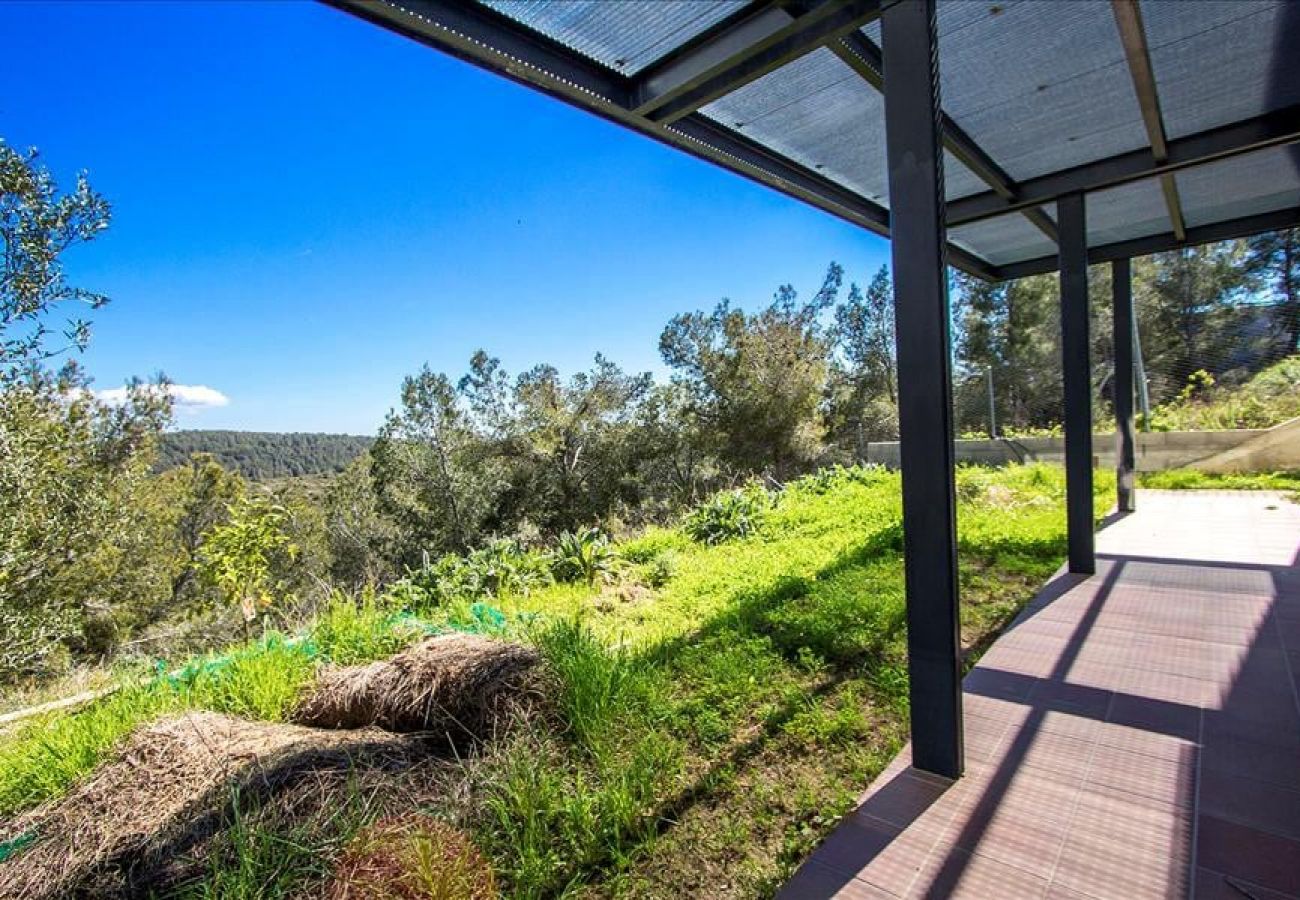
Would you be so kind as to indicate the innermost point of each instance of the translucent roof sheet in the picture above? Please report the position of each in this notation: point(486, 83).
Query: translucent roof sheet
point(1126, 212)
point(1040, 87)
point(1006, 239)
point(1220, 61)
point(821, 114)
point(626, 35)
point(1242, 186)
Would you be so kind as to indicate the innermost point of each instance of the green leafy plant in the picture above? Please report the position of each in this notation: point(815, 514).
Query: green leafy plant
point(583, 555)
point(500, 568)
point(730, 514)
point(237, 555)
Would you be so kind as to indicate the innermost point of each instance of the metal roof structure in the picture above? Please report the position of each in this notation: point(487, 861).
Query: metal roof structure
point(1178, 118)
point(1005, 137)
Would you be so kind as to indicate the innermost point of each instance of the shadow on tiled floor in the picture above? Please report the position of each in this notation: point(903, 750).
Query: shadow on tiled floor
point(1134, 734)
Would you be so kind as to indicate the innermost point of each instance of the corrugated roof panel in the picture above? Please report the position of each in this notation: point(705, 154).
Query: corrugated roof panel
point(1006, 239)
point(1241, 186)
point(626, 35)
point(1039, 85)
point(1126, 212)
point(821, 114)
point(818, 112)
point(1221, 61)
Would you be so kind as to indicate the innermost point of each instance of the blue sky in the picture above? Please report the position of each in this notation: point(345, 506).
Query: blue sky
point(307, 208)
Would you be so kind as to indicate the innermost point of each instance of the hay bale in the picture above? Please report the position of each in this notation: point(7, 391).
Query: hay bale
point(452, 688)
point(170, 785)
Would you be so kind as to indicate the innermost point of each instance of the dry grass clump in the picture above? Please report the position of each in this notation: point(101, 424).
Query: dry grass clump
point(171, 784)
point(412, 857)
point(452, 687)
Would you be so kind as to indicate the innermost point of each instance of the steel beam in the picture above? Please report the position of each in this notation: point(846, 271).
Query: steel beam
point(1128, 18)
point(1076, 371)
point(1122, 386)
point(915, 157)
point(860, 54)
point(1272, 130)
point(1159, 243)
point(741, 53)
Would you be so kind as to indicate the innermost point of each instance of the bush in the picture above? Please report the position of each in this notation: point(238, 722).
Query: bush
point(729, 514)
point(829, 478)
point(502, 567)
point(1269, 398)
point(584, 555)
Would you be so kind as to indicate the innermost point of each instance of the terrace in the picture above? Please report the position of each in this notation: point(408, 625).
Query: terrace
point(1100, 747)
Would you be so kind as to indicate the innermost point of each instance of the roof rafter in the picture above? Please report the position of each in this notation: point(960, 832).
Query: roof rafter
point(738, 52)
point(1277, 128)
point(1160, 243)
point(1128, 18)
point(861, 54)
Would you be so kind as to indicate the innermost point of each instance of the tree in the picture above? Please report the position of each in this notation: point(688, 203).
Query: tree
point(239, 554)
point(37, 225)
point(864, 372)
point(361, 538)
point(73, 530)
point(199, 496)
point(433, 474)
point(757, 381)
point(576, 434)
point(1273, 259)
point(1011, 329)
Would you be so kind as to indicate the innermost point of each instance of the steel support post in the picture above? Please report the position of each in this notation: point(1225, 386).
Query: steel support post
point(1077, 376)
point(917, 232)
point(1125, 435)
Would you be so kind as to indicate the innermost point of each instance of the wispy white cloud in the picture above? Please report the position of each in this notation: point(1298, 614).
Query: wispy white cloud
point(185, 397)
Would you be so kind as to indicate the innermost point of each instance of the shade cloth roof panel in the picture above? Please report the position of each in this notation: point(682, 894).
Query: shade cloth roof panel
point(1242, 186)
point(1040, 99)
point(1220, 61)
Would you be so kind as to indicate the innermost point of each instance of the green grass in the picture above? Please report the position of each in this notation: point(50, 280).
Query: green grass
point(1190, 479)
point(711, 722)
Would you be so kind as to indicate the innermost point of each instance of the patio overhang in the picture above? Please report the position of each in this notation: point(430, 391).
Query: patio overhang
point(1006, 138)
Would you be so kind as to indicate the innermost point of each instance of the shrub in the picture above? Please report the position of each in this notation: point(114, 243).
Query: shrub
point(412, 857)
point(829, 478)
point(584, 555)
point(1270, 397)
point(729, 514)
point(655, 542)
point(502, 567)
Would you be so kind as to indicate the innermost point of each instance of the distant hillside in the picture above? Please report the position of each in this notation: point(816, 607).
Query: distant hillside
point(265, 454)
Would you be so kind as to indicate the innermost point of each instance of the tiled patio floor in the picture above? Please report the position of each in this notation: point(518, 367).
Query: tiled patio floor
point(1135, 734)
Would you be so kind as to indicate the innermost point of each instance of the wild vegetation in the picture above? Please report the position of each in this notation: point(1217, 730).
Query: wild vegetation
point(711, 577)
point(743, 687)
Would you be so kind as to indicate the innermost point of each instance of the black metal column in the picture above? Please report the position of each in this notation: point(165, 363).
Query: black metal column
point(1125, 434)
point(1077, 372)
point(917, 232)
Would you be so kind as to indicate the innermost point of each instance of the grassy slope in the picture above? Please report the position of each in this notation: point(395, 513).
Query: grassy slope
point(713, 727)
point(1270, 397)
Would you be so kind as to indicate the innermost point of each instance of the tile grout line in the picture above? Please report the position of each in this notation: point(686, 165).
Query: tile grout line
point(1074, 807)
